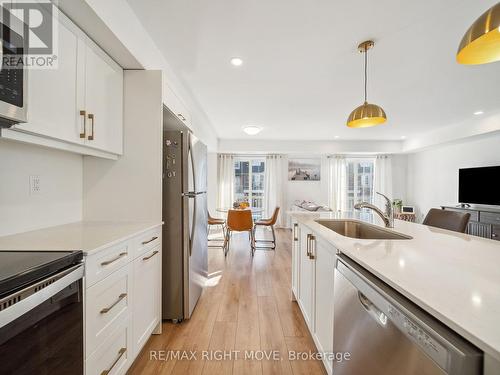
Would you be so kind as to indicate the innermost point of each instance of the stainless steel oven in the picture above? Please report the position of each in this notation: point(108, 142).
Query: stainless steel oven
point(13, 74)
point(41, 313)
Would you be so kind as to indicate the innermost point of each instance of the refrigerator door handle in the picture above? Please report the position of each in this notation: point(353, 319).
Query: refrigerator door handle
point(192, 195)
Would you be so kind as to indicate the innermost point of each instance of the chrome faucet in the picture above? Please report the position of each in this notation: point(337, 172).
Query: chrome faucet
point(387, 216)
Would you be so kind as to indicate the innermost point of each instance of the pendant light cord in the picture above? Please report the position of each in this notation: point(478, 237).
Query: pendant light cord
point(366, 74)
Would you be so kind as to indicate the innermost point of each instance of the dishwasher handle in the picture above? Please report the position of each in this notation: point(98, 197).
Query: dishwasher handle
point(372, 310)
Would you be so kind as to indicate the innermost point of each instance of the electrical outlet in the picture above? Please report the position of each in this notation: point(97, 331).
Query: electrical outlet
point(35, 185)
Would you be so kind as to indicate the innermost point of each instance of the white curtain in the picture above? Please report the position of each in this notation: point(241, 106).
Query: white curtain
point(382, 179)
point(225, 179)
point(275, 187)
point(337, 183)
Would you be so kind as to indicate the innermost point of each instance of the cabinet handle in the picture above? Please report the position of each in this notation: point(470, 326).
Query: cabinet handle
point(121, 352)
point(181, 116)
point(91, 118)
point(308, 244)
point(295, 227)
point(151, 240)
point(84, 133)
point(105, 263)
point(108, 309)
point(313, 242)
point(150, 256)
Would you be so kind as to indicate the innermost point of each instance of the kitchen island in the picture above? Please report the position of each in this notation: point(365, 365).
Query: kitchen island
point(452, 276)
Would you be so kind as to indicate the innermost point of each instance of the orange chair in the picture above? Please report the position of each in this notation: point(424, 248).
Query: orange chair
point(212, 221)
point(239, 221)
point(267, 223)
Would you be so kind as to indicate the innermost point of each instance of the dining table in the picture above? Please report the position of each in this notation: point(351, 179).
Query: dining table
point(255, 210)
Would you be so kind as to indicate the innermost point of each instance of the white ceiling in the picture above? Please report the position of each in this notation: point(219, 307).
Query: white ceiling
point(302, 74)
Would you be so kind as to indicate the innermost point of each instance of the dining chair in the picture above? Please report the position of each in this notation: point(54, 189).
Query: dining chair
point(212, 221)
point(239, 221)
point(444, 219)
point(268, 223)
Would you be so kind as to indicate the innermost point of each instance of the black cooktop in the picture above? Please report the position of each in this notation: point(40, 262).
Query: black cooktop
point(21, 268)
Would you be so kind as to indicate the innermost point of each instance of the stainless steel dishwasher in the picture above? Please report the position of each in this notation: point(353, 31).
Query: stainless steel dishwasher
point(380, 332)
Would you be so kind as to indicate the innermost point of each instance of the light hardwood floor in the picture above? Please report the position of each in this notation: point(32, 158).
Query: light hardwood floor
point(247, 308)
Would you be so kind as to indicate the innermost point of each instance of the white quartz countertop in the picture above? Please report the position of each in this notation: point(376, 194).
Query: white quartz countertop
point(88, 236)
point(453, 276)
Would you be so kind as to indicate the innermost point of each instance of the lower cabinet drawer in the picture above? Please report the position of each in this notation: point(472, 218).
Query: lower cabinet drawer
point(146, 241)
point(114, 356)
point(107, 261)
point(106, 304)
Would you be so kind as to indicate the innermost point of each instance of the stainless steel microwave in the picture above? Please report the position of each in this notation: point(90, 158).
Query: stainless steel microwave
point(13, 75)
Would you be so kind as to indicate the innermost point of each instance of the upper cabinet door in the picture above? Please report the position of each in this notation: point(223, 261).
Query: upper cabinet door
point(176, 105)
point(55, 96)
point(103, 101)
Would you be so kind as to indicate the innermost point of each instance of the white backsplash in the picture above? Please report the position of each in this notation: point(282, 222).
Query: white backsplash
point(59, 200)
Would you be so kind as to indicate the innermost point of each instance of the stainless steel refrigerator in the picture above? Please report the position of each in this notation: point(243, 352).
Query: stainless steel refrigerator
point(185, 258)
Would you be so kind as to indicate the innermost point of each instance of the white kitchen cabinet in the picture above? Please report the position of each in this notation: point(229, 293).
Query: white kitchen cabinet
point(113, 356)
point(147, 296)
point(122, 301)
point(55, 96)
point(306, 278)
point(103, 101)
point(78, 106)
point(313, 270)
point(107, 302)
point(324, 259)
point(176, 106)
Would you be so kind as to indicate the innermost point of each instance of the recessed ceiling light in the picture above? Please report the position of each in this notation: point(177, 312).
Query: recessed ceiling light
point(252, 130)
point(477, 113)
point(337, 137)
point(403, 137)
point(236, 61)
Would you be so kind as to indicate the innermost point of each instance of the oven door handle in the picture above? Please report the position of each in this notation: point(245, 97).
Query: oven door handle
point(37, 293)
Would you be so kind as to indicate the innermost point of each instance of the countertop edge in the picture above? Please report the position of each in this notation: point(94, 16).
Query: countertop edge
point(89, 252)
point(87, 236)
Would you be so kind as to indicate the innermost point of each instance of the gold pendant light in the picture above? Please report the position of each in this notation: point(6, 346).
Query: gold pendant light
point(481, 43)
point(366, 115)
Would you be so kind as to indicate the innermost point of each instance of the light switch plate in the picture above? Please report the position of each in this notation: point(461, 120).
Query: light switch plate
point(35, 185)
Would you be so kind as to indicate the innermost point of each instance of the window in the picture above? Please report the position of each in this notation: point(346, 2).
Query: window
point(359, 181)
point(249, 184)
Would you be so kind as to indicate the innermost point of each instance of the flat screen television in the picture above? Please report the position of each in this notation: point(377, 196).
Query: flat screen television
point(479, 185)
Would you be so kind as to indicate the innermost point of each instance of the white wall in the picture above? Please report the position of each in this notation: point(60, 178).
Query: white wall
point(399, 177)
point(316, 191)
point(432, 177)
point(256, 145)
point(60, 199)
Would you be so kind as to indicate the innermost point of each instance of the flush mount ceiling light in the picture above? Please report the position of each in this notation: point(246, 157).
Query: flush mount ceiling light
point(252, 130)
point(366, 115)
point(477, 113)
point(236, 61)
point(481, 43)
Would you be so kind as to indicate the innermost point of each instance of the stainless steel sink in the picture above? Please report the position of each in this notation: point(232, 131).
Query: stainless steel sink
point(358, 229)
